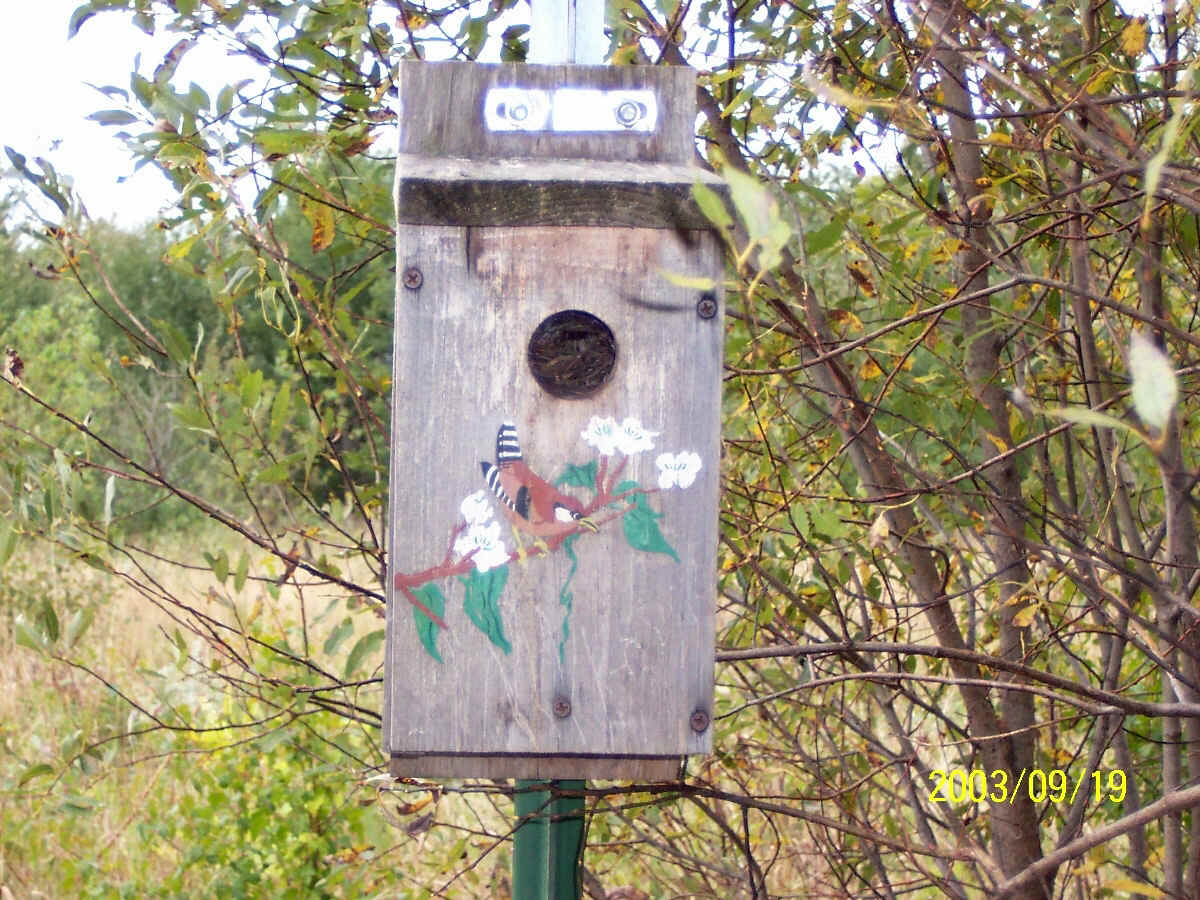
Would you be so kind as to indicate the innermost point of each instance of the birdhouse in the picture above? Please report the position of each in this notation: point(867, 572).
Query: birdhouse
point(555, 432)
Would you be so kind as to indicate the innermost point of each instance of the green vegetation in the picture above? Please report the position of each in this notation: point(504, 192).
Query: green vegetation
point(958, 525)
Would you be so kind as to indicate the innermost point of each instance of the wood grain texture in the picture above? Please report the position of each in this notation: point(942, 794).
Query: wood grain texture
point(639, 658)
point(441, 112)
point(628, 768)
point(506, 229)
point(549, 192)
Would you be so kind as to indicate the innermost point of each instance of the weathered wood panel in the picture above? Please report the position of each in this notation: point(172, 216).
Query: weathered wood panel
point(441, 112)
point(549, 192)
point(604, 665)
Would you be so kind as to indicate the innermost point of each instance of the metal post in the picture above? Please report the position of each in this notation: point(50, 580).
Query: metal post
point(548, 845)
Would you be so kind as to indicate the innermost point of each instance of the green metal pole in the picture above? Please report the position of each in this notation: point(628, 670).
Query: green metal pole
point(548, 844)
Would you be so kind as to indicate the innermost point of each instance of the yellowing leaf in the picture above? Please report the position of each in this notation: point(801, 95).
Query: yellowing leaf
point(1133, 37)
point(1130, 886)
point(879, 531)
point(320, 216)
point(870, 369)
point(1001, 445)
point(1024, 617)
point(695, 282)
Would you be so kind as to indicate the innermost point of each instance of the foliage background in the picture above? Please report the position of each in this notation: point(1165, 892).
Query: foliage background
point(958, 526)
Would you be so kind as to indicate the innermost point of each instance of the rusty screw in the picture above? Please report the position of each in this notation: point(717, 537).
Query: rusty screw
point(699, 721)
point(562, 707)
point(706, 307)
point(413, 279)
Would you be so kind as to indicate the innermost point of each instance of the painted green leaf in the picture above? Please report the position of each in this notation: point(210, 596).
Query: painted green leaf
point(578, 476)
point(427, 630)
point(641, 529)
point(367, 644)
point(565, 597)
point(481, 603)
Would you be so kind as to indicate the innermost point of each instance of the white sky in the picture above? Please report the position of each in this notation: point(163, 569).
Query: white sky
point(44, 100)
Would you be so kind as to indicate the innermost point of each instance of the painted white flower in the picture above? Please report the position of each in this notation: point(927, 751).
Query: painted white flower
point(677, 469)
point(476, 509)
point(603, 434)
point(485, 541)
point(633, 438)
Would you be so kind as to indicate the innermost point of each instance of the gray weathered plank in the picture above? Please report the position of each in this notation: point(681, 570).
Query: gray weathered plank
point(638, 661)
point(441, 112)
point(441, 191)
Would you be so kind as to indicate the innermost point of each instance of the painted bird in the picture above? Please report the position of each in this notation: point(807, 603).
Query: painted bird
point(530, 503)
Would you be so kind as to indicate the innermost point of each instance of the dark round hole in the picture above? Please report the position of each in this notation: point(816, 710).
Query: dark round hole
point(572, 353)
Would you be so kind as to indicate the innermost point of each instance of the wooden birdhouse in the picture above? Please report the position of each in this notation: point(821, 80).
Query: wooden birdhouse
point(555, 432)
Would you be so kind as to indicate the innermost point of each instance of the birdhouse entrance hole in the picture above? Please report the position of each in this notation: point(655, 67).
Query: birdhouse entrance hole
point(572, 353)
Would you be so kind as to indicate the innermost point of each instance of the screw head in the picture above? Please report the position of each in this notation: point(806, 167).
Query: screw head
point(628, 112)
point(413, 279)
point(706, 306)
point(699, 721)
point(562, 707)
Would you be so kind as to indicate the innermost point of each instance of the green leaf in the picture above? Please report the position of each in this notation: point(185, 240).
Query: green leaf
point(35, 771)
point(8, 543)
point(427, 629)
point(338, 635)
point(481, 603)
point(280, 408)
point(285, 140)
point(1082, 415)
point(219, 564)
point(81, 15)
point(694, 282)
point(79, 623)
point(243, 569)
point(26, 635)
point(251, 388)
point(712, 205)
point(825, 237)
point(641, 529)
point(578, 476)
point(366, 645)
point(48, 619)
point(113, 117)
point(176, 344)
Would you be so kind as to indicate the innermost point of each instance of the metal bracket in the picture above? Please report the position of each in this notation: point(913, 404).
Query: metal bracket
point(570, 110)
